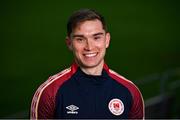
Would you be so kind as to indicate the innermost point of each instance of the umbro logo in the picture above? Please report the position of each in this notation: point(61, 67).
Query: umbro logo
point(72, 109)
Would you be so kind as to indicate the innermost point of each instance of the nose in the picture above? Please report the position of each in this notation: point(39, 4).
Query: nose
point(89, 45)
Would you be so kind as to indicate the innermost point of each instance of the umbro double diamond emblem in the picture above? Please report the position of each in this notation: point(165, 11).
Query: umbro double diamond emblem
point(72, 109)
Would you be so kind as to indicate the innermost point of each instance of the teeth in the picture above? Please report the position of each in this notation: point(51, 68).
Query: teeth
point(90, 55)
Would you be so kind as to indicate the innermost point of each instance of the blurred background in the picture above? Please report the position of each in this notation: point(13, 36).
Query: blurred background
point(145, 48)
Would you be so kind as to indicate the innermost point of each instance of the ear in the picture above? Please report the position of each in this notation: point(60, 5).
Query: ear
point(108, 38)
point(69, 43)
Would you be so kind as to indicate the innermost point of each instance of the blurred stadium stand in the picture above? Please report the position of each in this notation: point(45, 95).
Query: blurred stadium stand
point(164, 100)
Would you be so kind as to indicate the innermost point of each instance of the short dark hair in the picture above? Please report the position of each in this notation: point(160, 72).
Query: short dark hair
point(84, 15)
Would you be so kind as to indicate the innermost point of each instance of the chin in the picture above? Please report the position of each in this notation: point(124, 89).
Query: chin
point(90, 64)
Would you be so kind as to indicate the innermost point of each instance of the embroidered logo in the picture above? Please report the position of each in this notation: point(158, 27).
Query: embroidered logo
point(72, 109)
point(116, 106)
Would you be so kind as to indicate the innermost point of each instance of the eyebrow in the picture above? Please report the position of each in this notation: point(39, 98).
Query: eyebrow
point(79, 35)
point(96, 34)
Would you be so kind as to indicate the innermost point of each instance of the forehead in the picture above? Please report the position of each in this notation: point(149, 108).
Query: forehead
point(89, 26)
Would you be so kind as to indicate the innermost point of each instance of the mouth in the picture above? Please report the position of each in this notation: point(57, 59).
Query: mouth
point(89, 55)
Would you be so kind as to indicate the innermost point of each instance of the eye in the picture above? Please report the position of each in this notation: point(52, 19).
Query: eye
point(97, 37)
point(79, 39)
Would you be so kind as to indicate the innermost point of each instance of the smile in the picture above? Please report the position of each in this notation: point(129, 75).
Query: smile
point(90, 54)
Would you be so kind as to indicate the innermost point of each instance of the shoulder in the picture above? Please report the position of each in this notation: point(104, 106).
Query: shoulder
point(43, 102)
point(134, 90)
point(123, 81)
point(44, 96)
point(55, 81)
point(51, 85)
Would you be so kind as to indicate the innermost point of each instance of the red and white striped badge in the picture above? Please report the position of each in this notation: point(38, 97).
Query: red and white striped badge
point(116, 106)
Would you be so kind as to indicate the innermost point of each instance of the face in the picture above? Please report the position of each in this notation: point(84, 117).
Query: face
point(88, 42)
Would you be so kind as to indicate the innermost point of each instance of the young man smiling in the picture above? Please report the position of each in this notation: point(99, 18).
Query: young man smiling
point(88, 89)
point(89, 41)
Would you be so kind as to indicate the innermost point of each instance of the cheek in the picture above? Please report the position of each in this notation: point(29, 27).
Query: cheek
point(101, 45)
point(77, 49)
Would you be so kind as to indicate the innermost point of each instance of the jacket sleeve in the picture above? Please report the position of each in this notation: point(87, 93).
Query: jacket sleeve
point(43, 105)
point(137, 110)
point(44, 100)
point(46, 107)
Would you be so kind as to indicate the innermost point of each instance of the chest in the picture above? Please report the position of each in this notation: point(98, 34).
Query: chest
point(108, 100)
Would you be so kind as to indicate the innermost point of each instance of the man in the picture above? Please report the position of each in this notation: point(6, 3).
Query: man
point(88, 89)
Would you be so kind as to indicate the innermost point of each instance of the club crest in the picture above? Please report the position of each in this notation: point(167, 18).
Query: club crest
point(116, 106)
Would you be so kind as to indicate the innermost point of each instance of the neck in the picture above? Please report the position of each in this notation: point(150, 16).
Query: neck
point(93, 70)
